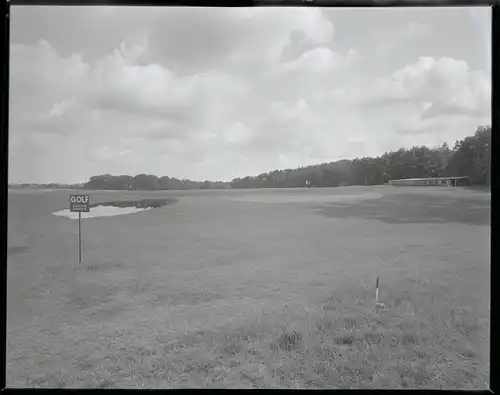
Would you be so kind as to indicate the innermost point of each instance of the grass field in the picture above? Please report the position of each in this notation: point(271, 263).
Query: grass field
point(256, 288)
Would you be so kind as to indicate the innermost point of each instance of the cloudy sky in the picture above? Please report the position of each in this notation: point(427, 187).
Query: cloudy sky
point(222, 93)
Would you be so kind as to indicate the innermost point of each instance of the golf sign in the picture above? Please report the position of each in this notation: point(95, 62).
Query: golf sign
point(79, 203)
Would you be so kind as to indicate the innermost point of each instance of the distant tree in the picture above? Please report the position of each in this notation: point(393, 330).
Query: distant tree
point(99, 182)
point(146, 182)
point(472, 157)
point(469, 157)
point(164, 182)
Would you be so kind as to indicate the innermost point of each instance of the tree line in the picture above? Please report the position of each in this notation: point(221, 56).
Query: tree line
point(150, 183)
point(469, 157)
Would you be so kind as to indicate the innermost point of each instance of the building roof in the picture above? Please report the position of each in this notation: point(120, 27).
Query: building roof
point(430, 178)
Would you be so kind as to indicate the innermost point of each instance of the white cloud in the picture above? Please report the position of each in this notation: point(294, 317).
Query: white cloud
point(444, 83)
point(392, 37)
point(218, 93)
point(236, 134)
point(320, 60)
point(273, 26)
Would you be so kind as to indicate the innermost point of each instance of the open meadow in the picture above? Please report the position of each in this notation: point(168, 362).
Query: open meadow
point(252, 288)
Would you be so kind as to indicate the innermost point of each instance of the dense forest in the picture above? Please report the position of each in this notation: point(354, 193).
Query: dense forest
point(469, 157)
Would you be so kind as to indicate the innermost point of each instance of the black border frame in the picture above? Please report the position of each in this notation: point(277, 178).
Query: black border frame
point(4, 144)
point(271, 3)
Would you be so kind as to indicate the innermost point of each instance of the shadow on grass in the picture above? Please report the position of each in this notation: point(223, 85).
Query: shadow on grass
point(404, 209)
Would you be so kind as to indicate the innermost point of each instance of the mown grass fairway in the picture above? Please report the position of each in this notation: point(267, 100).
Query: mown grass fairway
point(264, 288)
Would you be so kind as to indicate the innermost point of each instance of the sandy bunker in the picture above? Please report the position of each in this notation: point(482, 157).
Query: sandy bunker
point(110, 209)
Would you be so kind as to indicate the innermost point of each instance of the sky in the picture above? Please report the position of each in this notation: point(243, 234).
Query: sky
point(218, 93)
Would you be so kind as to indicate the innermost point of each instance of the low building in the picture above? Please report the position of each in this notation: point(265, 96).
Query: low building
point(434, 181)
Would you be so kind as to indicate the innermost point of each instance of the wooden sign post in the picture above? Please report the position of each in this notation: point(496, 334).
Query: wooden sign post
point(79, 204)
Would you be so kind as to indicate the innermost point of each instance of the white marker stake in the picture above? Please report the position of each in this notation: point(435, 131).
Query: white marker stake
point(377, 304)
